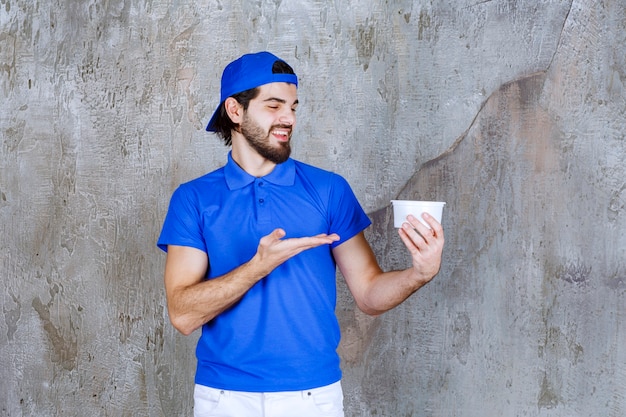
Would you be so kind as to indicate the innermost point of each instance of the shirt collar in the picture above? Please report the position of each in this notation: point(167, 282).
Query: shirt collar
point(283, 174)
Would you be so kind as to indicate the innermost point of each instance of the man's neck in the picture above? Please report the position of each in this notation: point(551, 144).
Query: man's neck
point(249, 160)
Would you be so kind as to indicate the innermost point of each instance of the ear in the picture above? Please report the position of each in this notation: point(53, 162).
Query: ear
point(234, 110)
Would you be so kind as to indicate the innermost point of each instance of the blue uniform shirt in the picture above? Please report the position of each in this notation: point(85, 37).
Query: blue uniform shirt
point(283, 334)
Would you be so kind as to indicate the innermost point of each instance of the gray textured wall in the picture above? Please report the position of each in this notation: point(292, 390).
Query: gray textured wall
point(511, 111)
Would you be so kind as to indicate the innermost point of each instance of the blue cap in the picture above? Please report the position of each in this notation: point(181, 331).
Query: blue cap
point(247, 72)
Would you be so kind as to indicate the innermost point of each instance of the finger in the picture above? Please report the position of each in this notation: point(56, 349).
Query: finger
point(272, 238)
point(321, 238)
point(435, 226)
point(278, 234)
point(332, 237)
point(416, 229)
point(409, 241)
point(318, 240)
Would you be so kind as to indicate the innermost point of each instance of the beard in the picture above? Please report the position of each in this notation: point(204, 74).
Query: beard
point(258, 140)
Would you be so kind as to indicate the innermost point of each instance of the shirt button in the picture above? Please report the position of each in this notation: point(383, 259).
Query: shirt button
point(261, 200)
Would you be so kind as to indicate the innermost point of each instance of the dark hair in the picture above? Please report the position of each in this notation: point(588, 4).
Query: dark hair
point(223, 124)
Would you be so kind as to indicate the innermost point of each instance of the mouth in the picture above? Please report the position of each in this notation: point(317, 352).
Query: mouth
point(281, 134)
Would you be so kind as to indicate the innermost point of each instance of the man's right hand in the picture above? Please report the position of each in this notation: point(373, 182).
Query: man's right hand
point(273, 250)
point(192, 300)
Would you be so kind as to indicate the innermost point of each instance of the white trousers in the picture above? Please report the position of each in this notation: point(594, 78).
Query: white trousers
point(325, 401)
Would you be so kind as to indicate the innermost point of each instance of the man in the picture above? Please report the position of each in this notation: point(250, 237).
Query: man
point(252, 250)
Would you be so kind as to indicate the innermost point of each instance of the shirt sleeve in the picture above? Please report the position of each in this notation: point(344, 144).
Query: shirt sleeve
point(347, 217)
point(182, 224)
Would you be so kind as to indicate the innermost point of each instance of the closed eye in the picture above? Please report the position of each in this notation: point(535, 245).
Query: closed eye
point(276, 102)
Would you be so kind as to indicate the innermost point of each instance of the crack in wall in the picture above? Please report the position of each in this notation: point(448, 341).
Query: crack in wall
point(560, 38)
point(476, 117)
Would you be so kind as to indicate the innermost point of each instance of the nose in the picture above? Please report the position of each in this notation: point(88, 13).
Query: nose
point(287, 117)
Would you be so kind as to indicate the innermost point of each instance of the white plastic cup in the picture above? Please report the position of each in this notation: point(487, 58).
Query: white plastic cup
point(402, 208)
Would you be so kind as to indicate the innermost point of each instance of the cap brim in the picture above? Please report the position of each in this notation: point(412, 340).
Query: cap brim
point(211, 126)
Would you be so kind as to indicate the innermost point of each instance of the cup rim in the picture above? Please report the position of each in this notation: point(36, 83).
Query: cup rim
point(417, 202)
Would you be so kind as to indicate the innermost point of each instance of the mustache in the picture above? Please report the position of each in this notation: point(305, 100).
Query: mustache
point(283, 126)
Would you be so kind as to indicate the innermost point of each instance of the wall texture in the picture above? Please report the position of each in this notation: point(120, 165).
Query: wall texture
point(512, 112)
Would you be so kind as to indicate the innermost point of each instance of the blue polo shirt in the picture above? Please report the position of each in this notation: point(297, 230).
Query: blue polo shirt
point(283, 334)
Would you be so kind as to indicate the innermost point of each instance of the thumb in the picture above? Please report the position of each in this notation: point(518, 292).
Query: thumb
point(277, 234)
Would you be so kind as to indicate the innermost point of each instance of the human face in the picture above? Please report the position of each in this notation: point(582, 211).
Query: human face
point(268, 122)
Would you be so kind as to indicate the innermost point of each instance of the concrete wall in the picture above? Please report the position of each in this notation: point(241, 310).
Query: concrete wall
point(512, 112)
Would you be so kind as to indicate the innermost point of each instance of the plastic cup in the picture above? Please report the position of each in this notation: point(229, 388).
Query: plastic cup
point(402, 208)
